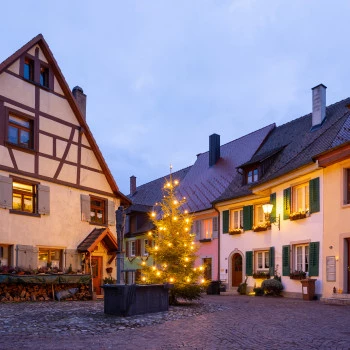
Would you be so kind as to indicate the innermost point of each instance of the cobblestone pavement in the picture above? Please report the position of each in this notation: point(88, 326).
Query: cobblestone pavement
point(216, 322)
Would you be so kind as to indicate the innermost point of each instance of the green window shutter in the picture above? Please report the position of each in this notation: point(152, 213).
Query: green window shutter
point(272, 261)
point(273, 202)
point(225, 221)
point(285, 260)
point(314, 257)
point(249, 263)
point(314, 186)
point(286, 203)
point(247, 217)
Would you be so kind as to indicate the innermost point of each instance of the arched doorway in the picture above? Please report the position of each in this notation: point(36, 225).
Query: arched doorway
point(236, 269)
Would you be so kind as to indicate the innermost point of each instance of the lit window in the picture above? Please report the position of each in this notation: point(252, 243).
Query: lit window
point(98, 211)
point(207, 229)
point(252, 176)
point(20, 131)
point(262, 260)
point(146, 244)
point(51, 258)
point(301, 257)
point(300, 198)
point(23, 197)
point(259, 215)
point(236, 219)
point(28, 72)
point(44, 76)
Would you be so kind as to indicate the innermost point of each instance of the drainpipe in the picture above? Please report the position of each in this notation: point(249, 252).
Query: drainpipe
point(218, 279)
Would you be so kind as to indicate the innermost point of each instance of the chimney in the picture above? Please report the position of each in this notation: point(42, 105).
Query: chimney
point(132, 185)
point(318, 104)
point(80, 98)
point(214, 149)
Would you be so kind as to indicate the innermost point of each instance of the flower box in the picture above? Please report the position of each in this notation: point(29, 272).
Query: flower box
point(297, 275)
point(260, 228)
point(261, 275)
point(297, 216)
point(235, 231)
point(204, 240)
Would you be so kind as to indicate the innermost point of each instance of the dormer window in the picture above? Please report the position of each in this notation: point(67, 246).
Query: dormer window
point(252, 175)
point(28, 72)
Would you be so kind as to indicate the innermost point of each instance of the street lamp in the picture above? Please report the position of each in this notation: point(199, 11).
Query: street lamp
point(276, 220)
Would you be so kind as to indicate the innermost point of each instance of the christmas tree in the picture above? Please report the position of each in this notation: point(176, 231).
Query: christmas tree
point(173, 249)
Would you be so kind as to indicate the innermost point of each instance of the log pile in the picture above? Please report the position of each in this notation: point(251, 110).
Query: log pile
point(40, 292)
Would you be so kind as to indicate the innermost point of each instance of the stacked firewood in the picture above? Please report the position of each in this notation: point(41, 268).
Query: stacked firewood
point(41, 292)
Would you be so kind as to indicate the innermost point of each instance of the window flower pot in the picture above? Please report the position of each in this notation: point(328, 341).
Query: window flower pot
point(261, 275)
point(235, 231)
point(297, 216)
point(297, 275)
point(260, 228)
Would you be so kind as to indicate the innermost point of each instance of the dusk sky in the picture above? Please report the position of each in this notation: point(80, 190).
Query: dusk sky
point(161, 76)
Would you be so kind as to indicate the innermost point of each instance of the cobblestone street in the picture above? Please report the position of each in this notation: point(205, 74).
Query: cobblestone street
point(217, 322)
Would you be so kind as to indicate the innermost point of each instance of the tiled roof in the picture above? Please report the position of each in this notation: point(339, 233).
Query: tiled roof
point(202, 184)
point(299, 144)
point(94, 237)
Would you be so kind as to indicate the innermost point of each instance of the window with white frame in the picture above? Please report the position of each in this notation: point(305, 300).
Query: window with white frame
point(301, 257)
point(262, 260)
point(236, 217)
point(207, 229)
point(300, 197)
point(132, 250)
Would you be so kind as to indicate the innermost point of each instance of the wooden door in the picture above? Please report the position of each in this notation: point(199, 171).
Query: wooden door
point(96, 265)
point(236, 270)
point(207, 269)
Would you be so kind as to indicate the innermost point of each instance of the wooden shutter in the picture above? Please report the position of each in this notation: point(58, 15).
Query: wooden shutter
point(215, 227)
point(272, 261)
point(314, 186)
point(43, 200)
point(273, 202)
point(225, 221)
point(5, 192)
point(286, 203)
point(249, 263)
point(247, 217)
point(111, 213)
point(85, 207)
point(314, 257)
point(286, 260)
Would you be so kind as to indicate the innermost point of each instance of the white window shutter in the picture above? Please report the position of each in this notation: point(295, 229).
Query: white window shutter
point(85, 207)
point(215, 227)
point(43, 199)
point(111, 213)
point(5, 192)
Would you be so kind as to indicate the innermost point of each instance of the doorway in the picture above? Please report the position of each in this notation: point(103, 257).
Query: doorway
point(347, 264)
point(96, 266)
point(236, 269)
point(207, 269)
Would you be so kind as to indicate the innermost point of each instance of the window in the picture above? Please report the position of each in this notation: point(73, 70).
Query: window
point(44, 76)
point(253, 175)
point(207, 229)
point(3, 256)
point(207, 262)
point(236, 219)
point(347, 187)
point(49, 257)
point(98, 211)
point(300, 198)
point(259, 215)
point(262, 259)
point(145, 246)
point(28, 72)
point(301, 257)
point(20, 131)
point(132, 248)
point(23, 197)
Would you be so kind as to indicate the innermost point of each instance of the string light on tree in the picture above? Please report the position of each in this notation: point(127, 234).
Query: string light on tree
point(174, 250)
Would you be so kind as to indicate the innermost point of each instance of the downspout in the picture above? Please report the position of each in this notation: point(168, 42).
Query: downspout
point(218, 276)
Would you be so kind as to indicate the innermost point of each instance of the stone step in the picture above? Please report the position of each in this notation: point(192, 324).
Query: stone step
point(340, 296)
point(337, 299)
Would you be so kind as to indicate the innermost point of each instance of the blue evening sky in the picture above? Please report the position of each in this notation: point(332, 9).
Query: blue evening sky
point(161, 76)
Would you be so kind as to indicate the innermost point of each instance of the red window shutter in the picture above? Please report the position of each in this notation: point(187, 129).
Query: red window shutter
point(127, 248)
point(138, 247)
